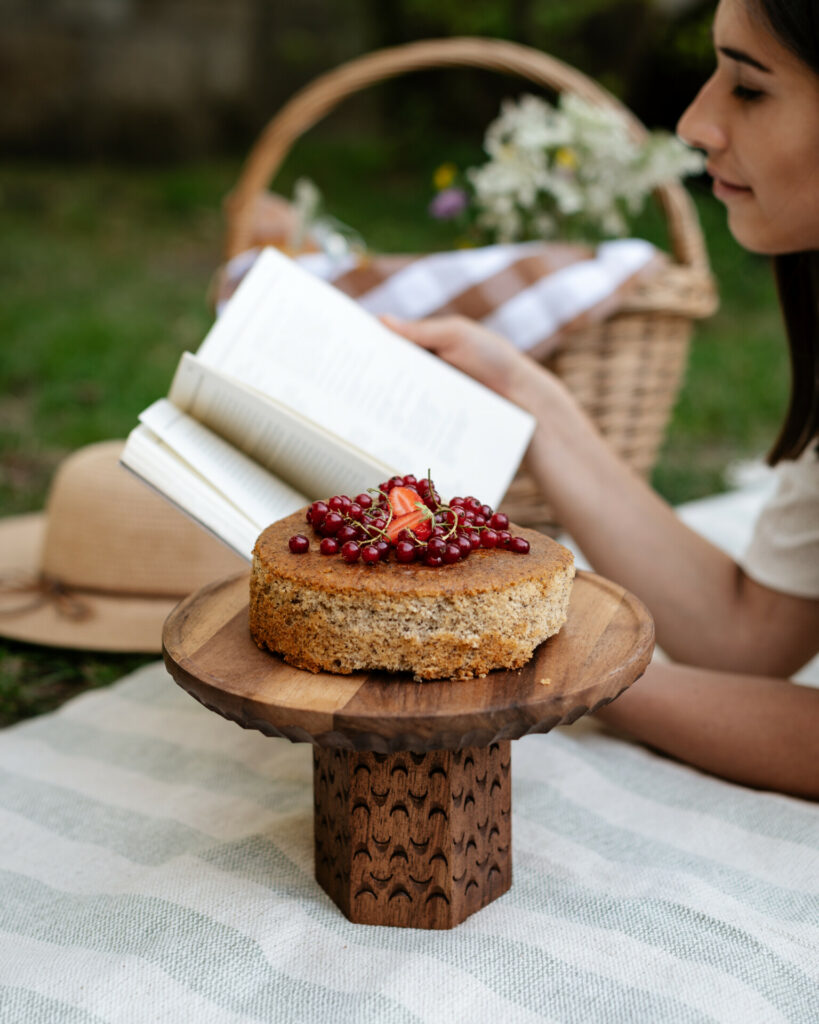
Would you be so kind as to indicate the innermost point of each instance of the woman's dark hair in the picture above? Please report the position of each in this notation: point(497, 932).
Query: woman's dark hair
point(797, 280)
point(795, 23)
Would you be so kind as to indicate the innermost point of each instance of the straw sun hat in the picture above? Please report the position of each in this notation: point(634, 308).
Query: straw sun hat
point(105, 563)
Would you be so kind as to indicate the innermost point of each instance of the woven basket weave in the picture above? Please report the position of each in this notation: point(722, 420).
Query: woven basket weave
point(626, 370)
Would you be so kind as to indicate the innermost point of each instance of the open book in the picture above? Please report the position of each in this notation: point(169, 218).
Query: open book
point(296, 394)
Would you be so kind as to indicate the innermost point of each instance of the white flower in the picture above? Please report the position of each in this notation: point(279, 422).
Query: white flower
point(504, 223)
point(550, 167)
point(567, 193)
point(306, 200)
point(531, 125)
point(333, 237)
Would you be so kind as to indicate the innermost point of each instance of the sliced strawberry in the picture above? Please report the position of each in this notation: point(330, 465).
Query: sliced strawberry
point(403, 500)
point(419, 521)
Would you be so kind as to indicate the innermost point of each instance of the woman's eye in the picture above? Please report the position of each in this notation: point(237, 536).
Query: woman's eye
point(742, 92)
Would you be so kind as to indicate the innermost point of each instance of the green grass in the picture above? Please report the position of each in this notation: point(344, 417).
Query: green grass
point(104, 273)
point(34, 680)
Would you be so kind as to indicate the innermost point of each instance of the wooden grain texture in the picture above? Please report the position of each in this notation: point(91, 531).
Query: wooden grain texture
point(413, 840)
point(604, 647)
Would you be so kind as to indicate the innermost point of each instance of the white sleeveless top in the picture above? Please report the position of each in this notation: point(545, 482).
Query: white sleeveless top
point(784, 550)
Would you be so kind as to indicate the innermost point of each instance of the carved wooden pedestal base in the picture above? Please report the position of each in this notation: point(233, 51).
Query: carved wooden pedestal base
point(414, 840)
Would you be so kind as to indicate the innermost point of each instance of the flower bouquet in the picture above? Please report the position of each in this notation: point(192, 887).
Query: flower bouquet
point(570, 171)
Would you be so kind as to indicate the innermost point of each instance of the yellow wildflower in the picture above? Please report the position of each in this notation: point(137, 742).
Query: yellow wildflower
point(444, 176)
point(566, 158)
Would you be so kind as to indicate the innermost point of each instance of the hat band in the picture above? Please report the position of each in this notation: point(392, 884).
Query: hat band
point(66, 600)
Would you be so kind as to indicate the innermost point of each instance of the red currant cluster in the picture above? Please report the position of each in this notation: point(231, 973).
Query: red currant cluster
point(407, 516)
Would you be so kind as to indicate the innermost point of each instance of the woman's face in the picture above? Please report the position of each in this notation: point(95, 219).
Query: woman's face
point(757, 118)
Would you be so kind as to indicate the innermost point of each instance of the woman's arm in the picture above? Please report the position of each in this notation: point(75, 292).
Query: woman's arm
point(706, 610)
point(753, 730)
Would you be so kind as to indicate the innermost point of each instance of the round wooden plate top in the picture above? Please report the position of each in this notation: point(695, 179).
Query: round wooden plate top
point(603, 648)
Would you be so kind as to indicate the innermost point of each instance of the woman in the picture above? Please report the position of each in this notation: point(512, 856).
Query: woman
point(734, 633)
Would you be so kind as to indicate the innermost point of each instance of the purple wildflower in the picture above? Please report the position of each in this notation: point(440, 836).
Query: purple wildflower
point(448, 203)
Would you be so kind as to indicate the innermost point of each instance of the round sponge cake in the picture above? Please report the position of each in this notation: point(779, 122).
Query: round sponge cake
point(451, 622)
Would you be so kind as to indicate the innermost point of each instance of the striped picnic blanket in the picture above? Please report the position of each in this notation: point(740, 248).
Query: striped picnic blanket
point(156, 865)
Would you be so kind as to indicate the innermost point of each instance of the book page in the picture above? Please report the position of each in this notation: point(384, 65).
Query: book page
point(310, 459)
point(162, 469)
point(309, 347)
point(248, 487)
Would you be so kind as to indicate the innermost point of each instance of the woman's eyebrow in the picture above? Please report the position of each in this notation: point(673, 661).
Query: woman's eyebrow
point(743, 58)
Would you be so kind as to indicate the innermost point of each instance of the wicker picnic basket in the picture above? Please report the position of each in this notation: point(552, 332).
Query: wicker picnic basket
point(626, 370)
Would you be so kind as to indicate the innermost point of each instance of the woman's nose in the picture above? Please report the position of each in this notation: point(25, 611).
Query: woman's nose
point(700, 125)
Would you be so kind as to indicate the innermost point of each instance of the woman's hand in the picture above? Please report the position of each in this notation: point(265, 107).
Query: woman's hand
point(476, 350)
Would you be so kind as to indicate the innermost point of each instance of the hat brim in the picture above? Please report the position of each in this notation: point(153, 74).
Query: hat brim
point(122, 624)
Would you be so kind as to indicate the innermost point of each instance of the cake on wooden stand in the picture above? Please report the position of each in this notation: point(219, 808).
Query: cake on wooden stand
point(453, 621)
point(412, 780)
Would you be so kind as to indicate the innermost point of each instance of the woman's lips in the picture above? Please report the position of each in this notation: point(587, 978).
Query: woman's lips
point(724, 189)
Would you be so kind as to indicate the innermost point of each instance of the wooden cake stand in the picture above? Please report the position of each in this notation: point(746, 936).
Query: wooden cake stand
point(411, 780)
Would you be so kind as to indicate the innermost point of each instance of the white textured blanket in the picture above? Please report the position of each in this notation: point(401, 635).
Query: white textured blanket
point(156, 865)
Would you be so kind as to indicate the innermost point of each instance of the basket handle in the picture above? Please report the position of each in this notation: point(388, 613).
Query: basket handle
point(324, 93)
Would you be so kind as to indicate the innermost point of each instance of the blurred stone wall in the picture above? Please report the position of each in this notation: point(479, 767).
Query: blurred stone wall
point(159, 78)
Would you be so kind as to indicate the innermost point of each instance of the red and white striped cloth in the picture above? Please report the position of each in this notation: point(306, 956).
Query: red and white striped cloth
point(529, 292)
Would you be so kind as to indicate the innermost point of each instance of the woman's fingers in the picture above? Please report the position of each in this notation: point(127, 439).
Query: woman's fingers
point(467, 345)
point(457, 339)
point(435, 333)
